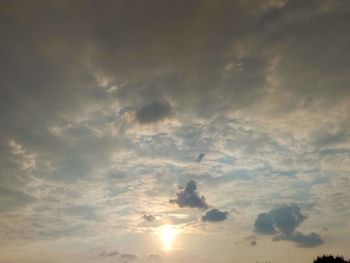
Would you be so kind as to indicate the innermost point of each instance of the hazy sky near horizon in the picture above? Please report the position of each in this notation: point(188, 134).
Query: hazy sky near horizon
point(174, 131)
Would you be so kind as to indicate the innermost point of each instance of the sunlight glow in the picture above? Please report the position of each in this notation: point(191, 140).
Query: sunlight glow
point(168, 236)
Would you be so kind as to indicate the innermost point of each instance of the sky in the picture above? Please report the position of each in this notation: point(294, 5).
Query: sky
point(202, 131)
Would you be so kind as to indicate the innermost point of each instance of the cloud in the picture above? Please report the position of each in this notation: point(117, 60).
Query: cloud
point(283, 219)
point(128, 256)
point(11, 199)
point(310, 240)
point(281, 223)
point(189, 197)
point(153, 112)
point(196, 60)
point(26, 160)
point(263, 224)
point(199, 157)
point(86, 212)
point(251, 240)
point(214, 215)
point(149, 218)
point(109, 254)
point(116, 253)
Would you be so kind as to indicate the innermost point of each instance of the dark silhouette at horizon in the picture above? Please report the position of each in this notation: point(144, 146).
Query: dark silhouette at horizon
point(330, 259)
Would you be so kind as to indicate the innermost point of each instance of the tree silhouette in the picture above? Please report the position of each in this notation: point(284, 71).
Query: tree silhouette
point(330, 259)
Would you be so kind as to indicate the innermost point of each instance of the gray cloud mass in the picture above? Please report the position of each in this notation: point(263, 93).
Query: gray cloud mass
point(214, 215)
point(281, 222)
point(189, 197)
point(153, 112)
point(310, 240)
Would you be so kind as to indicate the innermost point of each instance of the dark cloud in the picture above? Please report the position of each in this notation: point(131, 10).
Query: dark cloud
point(214, 215)
point(310, 240)
point(153, 112)
point(199, 158)
point(283, 219)
point(164, 53)
point(204, 55)
point(264, 225)
point(189, 197)
point(149, 218)
point(281, 222)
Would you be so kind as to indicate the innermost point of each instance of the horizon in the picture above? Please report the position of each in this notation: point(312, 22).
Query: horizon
point(202, 131)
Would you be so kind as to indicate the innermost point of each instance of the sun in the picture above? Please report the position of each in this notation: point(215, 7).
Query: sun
point(168, 235)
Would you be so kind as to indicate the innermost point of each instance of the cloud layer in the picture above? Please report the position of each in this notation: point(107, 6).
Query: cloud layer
point(107, 106)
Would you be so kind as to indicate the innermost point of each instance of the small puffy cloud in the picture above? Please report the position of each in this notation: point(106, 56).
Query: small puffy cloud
point(115, 175)
point(214, 215)
point(251, 240)
point(281, 222)
point(153, 112)
point(149, 218)
point(189, 197)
